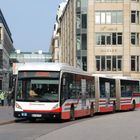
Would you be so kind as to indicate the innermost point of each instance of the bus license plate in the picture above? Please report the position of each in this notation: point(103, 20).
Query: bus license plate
point(37, 115)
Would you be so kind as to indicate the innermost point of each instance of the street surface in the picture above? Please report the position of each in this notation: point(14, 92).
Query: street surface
point(117, 126)
point(6, 114)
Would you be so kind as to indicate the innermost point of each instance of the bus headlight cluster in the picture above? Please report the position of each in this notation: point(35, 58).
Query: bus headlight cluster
point(18, 106)
point(55, 107)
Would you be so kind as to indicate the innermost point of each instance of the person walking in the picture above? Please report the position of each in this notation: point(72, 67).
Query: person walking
point(9, 95)
point(2, 95)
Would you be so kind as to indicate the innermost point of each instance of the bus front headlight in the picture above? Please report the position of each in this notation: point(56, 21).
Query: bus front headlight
point(55, 107)
point(18, 106)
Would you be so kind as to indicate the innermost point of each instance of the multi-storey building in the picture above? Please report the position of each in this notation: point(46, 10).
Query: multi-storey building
point(102, 36)
point(55, 41)
point(6, 47)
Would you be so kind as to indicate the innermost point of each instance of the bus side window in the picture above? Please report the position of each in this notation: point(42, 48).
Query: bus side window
point(112, 90)
point(123, 91)
point(67, 86)
point(102, 91)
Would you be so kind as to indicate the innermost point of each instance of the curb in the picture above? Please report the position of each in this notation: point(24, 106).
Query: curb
point(7, 122)
point(11, 121)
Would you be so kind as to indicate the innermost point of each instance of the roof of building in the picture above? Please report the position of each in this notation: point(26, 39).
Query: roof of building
point(3, 21)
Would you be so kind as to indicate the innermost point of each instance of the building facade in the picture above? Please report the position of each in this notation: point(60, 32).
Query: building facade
point(6, 47)
point(55, 41)
point(102, 36)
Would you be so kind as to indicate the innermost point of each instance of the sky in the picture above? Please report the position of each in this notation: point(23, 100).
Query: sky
point(31, 22)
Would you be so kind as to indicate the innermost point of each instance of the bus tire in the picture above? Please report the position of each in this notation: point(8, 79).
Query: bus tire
point(72, 113)
point(91, 110)
point(133, 105)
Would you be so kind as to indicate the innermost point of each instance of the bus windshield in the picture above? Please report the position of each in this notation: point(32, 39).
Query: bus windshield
point(38, 86)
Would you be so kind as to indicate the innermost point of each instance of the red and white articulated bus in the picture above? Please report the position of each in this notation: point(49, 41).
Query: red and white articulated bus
point(60, 91)
point(116, 93)
point(55, 90)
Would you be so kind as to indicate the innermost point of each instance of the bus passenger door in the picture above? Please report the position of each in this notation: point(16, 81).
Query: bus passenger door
point(83, 93)
point(107, 91)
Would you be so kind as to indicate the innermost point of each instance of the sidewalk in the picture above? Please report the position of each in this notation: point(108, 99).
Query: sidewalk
point(6, 115)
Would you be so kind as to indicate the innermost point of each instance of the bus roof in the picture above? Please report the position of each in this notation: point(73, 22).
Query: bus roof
point(115, 77)
point(49, 66)
point(126, 78)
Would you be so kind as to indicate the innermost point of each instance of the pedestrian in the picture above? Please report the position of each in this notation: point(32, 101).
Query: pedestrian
point(2, 96)
point(9, 98)
point(12, 97)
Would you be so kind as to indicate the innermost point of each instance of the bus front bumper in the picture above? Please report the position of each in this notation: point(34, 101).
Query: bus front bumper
point(40, 115)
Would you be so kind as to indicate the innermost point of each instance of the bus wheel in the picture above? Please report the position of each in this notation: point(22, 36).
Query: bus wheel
point(114, 107)
point(72, 114)
point(92, 110)
point(133, 105)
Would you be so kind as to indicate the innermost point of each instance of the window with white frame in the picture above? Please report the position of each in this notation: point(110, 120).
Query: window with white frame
point(109, 63)
point(108, 39)
point(103, 17)
point(78, 21)
point(97, 18)
point(78, 4)
point(135, 17)
point(108, 17)
point(135, 39)
point(78, 42)
point(134, 63)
